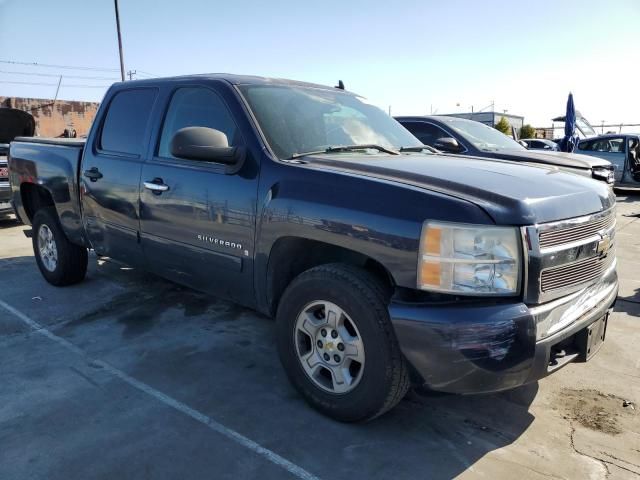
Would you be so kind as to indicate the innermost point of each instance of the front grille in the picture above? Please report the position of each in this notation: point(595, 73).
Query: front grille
point(575, 273)
point(582, 231)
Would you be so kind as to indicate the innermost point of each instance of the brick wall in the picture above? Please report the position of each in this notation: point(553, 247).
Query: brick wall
point(52, 119)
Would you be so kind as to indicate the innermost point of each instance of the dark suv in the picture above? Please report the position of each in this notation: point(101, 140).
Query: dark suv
point(468, 137)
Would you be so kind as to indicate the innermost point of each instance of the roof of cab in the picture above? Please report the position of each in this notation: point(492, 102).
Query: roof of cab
point(229, 77)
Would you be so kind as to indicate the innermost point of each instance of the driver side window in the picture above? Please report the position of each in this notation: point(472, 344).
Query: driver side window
point(196, 107)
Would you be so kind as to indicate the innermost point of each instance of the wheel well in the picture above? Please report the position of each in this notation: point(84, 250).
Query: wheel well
point(34, 198)
point(290, 256)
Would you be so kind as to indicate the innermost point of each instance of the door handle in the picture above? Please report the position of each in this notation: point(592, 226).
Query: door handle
point(93, 174)
point(156, 185)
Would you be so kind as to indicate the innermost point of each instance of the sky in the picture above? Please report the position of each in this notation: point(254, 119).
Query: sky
point(415, 57)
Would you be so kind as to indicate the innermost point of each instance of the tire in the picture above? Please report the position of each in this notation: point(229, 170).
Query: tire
point(375, 374)
point(70, 265)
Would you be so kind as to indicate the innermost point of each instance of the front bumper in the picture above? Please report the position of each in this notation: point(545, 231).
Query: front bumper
point(487, 348)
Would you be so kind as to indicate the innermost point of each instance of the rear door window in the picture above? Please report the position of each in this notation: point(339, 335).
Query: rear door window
point(126, 121)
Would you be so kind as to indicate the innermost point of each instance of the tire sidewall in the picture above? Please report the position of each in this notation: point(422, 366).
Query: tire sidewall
point(44, 217)
point(372, 389)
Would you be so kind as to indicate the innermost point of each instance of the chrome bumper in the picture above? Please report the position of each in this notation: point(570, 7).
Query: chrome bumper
point(582, 306)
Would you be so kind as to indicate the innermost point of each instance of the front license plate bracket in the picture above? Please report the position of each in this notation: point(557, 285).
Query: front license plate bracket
point(590, 339)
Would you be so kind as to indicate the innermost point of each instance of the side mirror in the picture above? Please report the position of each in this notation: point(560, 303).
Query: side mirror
point(547, 147)
point(447, 144)
point(206, 144)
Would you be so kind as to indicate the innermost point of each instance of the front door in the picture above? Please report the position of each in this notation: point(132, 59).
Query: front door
point(110, 175)
point(608, 148)
point(633, 159)
point(198, 227)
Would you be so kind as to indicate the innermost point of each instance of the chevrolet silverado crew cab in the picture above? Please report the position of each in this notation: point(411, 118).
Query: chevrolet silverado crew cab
point(385, 265)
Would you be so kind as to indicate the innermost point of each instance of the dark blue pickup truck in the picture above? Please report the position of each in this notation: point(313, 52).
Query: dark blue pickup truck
point(385, 264)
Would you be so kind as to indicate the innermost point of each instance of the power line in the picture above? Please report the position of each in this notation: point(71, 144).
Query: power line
point(64, 67)
point(147, 73)
point(53, 84)
point(39, 74)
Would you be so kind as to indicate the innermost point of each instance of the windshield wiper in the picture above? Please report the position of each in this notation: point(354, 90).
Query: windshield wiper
point(346, 148)
point(419, 149)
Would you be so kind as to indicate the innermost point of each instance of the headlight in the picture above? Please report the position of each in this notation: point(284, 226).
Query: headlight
point(469, 259)
point(601, 173)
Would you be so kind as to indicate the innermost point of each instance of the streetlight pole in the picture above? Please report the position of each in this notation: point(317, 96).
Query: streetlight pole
point(119, 40)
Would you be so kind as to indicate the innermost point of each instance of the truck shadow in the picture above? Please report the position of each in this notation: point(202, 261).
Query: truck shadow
point(629, 304)
point(217, 342)
point(8, 221)
point(206, 351)
point(448, 434)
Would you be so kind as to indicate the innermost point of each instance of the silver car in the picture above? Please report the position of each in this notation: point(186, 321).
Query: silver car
point(622, 150)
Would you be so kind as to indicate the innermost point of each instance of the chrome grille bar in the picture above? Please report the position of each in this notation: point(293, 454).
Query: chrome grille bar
point(552, 238)
point(575, 273)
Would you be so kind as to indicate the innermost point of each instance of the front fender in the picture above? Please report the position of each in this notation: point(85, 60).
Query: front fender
point(376, 218)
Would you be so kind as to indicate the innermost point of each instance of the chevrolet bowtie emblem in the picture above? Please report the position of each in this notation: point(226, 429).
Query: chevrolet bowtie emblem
point(604, 246)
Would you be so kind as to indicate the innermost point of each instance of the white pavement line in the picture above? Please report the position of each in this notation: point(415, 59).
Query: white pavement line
point(167, 400)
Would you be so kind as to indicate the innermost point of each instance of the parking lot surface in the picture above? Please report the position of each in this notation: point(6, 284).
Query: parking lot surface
point(129, 376)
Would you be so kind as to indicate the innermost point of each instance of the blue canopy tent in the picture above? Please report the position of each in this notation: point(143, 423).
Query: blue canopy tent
point(570, 139)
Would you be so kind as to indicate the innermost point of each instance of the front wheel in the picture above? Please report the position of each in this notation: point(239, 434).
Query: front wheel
point(337, 344)
point(60, 261)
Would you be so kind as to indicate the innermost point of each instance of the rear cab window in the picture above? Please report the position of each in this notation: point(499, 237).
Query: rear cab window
point(126, 121)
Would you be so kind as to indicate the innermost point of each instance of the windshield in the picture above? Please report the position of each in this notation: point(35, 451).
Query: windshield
point(482, 136)
point(296, 120)
point(585, 127)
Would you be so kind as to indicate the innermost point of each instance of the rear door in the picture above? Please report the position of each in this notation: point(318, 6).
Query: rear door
point(110, 175)
point(199, 230)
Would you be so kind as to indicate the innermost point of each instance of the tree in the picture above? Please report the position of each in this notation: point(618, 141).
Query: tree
point(527, 131)
point(504, 126)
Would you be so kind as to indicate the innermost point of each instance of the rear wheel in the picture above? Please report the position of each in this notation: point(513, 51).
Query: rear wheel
point(337, 344)
point(60, 261)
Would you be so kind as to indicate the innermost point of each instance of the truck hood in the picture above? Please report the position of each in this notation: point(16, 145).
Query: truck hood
point(510, 193)
point(558, 159)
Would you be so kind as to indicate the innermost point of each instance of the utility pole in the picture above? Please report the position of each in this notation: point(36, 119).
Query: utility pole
point(131, 73)
point(119, 40)
point(57, 90)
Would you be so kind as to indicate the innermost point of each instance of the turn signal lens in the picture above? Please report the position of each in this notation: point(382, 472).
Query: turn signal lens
point(430, 274)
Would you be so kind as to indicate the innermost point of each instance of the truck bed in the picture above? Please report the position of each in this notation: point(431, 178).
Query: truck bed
point(66, 142)
point(49, 166)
